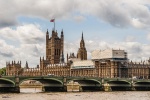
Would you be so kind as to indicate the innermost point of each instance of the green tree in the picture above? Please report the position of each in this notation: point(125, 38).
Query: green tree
point(3, 71)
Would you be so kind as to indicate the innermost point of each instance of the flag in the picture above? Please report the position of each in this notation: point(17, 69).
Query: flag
point(52, 20)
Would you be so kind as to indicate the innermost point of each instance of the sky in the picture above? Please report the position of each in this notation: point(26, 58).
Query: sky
point(106, 24)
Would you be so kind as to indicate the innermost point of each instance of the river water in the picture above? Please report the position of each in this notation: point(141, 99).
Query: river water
point(36, 94)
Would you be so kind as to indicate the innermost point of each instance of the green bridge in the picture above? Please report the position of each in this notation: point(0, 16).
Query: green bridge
point(12, 83)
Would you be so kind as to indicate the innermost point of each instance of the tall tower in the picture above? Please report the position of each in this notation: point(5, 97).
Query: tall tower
point(82, 53)
point(54, 47)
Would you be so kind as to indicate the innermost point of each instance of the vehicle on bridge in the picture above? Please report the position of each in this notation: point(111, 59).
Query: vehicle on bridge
point(50, 75)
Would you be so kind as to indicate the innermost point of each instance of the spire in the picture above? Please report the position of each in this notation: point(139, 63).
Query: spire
point(82, 53)
point(47, 36)
point(82, 42)
point(82, 36)
point(62, 33)
point(47, 32)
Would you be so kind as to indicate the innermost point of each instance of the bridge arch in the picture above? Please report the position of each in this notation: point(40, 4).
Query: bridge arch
point(42, 80)
point(119, 84)
point(142, 85)
point(4, 82)
point(6, 85)
point(87, 84)
point(48, 84)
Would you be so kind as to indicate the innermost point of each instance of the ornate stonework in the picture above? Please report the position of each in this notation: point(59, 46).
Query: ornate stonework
point(82, 53)
point(109, 63)
point(54, 47)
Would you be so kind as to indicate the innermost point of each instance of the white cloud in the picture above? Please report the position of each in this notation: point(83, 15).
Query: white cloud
point(118, 13)
point(29, 44)
point(136, 51)
point(79, 18)
point(148, 36)
point(31, 50)
point(28, 33)
point(130, 38)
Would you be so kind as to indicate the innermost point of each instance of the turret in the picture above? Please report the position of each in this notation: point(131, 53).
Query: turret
point(54, 34)
point(47, 39)
point(62, 41)
point(149, 60)
point(62, 34)
point(47, 36)
point(12, 63)
point(62, 57)
point(26, 66)
point(67, 57)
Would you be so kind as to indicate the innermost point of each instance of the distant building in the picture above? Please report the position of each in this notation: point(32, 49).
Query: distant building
point(54, 47)
point(109, 54)
point(13, 68)
point(103, 63)
point(82, 53)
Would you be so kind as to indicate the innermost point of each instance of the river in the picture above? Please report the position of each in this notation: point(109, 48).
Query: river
point(36, 94)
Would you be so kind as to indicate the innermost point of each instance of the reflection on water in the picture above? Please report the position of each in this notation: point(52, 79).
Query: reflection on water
point(30, 90)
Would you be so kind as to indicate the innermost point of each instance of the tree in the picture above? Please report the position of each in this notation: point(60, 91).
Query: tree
point(3, 71)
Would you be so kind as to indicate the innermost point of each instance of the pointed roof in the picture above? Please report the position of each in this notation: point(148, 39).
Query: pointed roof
point(47, 32)
point(82, 36)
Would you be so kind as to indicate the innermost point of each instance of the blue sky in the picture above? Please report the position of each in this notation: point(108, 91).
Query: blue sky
point(106, 24)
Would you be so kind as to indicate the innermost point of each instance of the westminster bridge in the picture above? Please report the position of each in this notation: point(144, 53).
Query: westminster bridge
point(12, 83)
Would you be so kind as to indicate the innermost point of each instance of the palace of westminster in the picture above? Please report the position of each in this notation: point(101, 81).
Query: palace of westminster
point(107, 63)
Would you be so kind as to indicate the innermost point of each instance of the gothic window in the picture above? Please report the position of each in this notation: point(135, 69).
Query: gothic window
point(59, 51)
point(55, 51)
point(49, 51)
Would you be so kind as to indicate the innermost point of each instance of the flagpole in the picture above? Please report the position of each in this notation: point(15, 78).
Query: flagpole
point(54, 25)
point(53, 20)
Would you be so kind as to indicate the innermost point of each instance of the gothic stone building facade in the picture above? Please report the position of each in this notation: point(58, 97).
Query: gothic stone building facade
point(107, 63)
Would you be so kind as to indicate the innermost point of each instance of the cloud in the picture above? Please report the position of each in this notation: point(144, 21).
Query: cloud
point(31, 52)
point(27, 34)
point(79, 18)
point(5, 50)
point(126, 13)
point(9, 12)
point(25, 43)
point(130, 38)
point(136, 51)
point(6, 54)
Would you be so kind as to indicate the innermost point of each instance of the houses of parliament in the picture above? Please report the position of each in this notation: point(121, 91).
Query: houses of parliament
point(107, 63)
